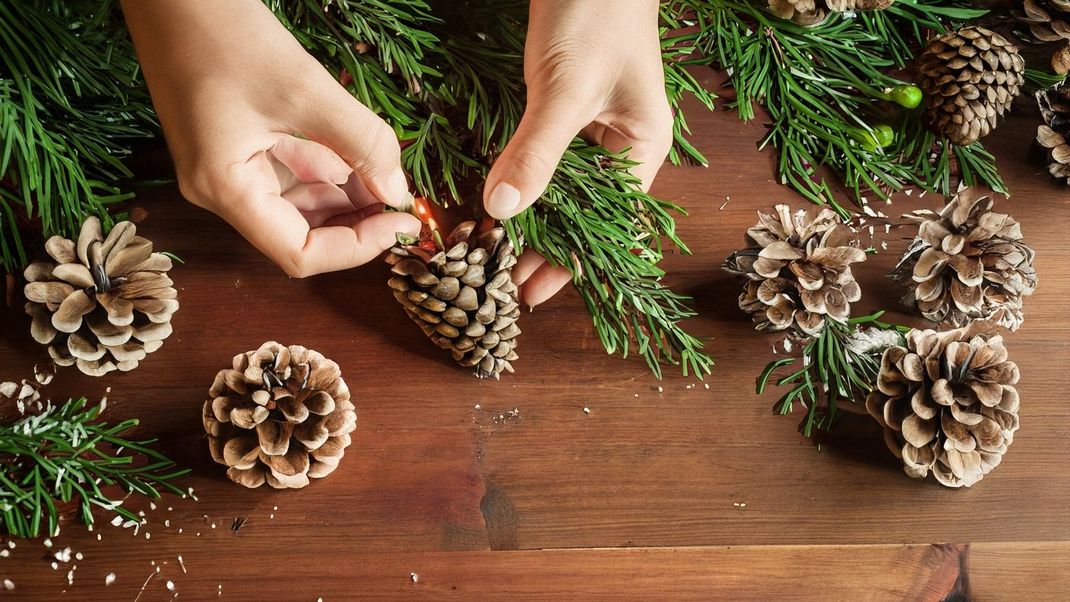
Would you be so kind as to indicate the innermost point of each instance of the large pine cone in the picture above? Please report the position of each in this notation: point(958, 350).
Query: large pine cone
point(970, 77)
point(105, 303)
point(279, 415)
point(1047, 22)
point(798, 270)
point(1054, 134)
point(968, 263)
point(947, 403)
point(814, 12)
point(463, 297)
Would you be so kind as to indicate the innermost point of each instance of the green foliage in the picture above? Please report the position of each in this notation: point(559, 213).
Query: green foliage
point(825, 87)
point(832, 370)
point(449, 78)
point(63, 455)
point(594, 220)
point(70, 103)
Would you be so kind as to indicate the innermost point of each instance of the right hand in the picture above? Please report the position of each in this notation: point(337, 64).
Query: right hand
point(264, 137)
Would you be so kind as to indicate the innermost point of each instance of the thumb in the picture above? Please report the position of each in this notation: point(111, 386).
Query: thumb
point(523, 170)
point(364, 141)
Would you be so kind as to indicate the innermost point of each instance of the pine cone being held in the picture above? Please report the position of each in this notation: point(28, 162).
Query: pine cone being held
point(462, 295)
point(1054, 134)
point(969, 77)
point(798, 270)
point(279, 415)
point(947, 403)
point(968, 263)
point(1047, 22)
point(104, 303)
point(814, 12)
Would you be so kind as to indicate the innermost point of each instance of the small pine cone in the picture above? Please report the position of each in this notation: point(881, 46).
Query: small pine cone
point(968, 263)
point(969, 77)
point(463, 297)
point(102, 304)
point(1054, 134)
point(947, 403)
point(279, 415)
point(811, 13)
point(798, 270)
point(1046, 22)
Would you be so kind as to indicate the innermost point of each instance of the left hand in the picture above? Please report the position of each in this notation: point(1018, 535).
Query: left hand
point(592, 68)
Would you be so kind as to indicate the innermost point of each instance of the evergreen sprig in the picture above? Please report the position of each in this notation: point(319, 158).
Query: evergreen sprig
point(456, 97)
point(834, 369)
point(595, 221)
point(828, 92)
point(64, 454)
point(71, 101)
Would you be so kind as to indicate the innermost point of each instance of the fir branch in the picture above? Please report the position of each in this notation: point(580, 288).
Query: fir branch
point(594, 220)
point(64, 68)
point(827, 91)
point(64, 455)
point(840, 364)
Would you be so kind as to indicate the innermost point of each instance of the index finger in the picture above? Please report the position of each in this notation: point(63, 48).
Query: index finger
point(279, 231)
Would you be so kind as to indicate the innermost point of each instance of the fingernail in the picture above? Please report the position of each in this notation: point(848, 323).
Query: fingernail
point(397, 188)
point(503, 200)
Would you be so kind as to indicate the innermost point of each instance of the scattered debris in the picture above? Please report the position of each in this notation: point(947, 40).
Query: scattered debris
point(739, 504)
point(237, 524)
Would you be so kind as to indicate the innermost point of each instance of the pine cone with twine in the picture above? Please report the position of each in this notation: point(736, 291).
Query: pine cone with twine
point(968, 263)
point(811, 13)
point(103, 303)
point(461, 294)
point(947, 403)
point(1047, 22)
point(798, 270)
point(279, 415)
point(969, 77)
point(1054, 134)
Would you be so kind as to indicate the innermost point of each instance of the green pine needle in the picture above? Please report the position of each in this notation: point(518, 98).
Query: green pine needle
point(63, 455)
point(831, 372)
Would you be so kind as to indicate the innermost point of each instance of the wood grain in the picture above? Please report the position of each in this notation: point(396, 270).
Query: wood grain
point(445, 469)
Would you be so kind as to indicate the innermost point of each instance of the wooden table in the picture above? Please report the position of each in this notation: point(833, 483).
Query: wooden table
point(456, 488)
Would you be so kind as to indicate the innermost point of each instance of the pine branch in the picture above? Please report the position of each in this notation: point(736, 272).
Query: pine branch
point(838, 365)
point(64, 454)
point(594, 220)
point(64, 68)
point(831, 95)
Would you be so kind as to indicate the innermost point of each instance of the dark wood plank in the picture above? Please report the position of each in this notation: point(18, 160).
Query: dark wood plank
point(909, 573)
point(528, 468)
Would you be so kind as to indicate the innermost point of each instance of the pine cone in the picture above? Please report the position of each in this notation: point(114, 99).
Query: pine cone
point(968, 263)
point(947, 403)
point(798, 270)
point(279, 414)
point(1047, 22)
point(814, 12)
point(463, 298)
point(105, 303)
point(969, 77)
point(1054, 134)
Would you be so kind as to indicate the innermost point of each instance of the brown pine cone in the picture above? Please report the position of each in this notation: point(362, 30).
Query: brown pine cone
point(798, 270)
point(105, 303)
point(814, 12)
point(1054, 134)
point(279, 415)
point(968, 263)
point(947, 403)
point(1046, 22)
point(969, 77)
point(462, 295)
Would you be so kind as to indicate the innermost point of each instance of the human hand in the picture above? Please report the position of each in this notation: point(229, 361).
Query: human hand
point(264, 137)
point(592, 68)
